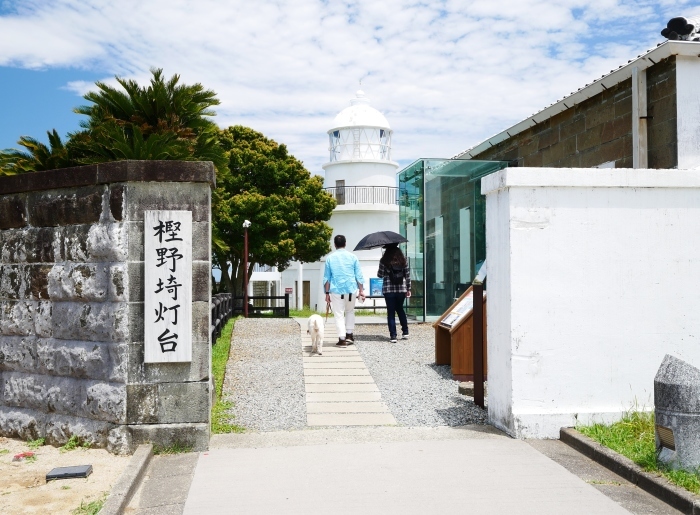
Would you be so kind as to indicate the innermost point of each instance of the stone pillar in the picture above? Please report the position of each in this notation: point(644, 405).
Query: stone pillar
point(71, 306)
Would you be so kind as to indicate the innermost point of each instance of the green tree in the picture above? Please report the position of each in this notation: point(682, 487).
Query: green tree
point(287, 207)
point(164, 120)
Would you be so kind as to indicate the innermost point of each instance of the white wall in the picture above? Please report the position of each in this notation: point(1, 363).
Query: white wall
point(361, 173)
point(688, 106)
point(593, 277)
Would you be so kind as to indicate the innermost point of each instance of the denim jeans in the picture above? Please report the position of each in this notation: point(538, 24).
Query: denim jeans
point(394, 304)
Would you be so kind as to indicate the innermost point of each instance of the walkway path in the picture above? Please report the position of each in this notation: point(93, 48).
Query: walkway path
point(339, 389)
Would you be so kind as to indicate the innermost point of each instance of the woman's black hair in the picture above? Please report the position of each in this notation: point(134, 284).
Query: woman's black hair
point(393, 257)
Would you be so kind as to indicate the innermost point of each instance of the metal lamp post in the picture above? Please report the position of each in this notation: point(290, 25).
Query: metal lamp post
point(246, 224)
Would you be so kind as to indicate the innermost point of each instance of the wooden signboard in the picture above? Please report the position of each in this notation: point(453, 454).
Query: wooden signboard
point(168, 286)
point(454, 333)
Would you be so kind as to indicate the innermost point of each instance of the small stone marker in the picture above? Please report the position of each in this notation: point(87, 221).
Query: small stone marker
point(677, 406)
point(467, 388)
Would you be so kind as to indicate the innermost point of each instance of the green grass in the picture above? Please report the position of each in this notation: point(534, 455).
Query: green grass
point(35, 444)
point(73, 443)
point(176, 448)
point(304, 313)
point(220, 418)
point(91, 508)
point(4, 451)
point(633, 437)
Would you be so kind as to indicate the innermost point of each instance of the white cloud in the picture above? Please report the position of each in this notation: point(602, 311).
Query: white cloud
point(447, 74)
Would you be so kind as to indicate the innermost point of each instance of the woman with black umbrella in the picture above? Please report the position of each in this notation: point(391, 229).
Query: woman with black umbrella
point(396, 287)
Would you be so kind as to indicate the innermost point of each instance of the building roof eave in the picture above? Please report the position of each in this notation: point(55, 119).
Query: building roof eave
point(642, 62)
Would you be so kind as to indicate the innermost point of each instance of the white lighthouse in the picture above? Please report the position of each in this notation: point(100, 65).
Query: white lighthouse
point(362, 178)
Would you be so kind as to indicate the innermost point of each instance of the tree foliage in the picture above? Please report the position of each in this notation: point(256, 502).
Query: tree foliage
point(164, 120)
point(287, 207)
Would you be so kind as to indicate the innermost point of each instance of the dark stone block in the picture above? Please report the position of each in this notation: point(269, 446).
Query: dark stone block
point(39, 281)
point(12, 211)
point(116, 201)
point(576, 126)
point(548, 138)
point(13, 246)
point(589, 138)
point(39, 245)
point(157, 171)
point(136, 281)
point(14, 284)
point(141, 404)
point(49, 180)
point(65, 207)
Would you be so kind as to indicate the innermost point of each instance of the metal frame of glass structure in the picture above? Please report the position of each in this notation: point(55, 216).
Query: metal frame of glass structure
point(442, 214)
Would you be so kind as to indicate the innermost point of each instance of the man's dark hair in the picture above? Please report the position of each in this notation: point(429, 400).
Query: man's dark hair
point(339, 241)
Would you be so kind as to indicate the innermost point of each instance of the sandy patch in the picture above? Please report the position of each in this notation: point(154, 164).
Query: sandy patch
point(23, 486)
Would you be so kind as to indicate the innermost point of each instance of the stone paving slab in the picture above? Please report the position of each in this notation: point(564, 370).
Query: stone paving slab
point(350, 419)
point(333, 359)
point(346, 407)
point(338, 379)
point(343, 397)
point(334, 364)
point(347, 387)
point(315, 372)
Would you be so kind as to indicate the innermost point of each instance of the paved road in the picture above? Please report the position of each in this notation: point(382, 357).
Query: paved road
point(386, 470)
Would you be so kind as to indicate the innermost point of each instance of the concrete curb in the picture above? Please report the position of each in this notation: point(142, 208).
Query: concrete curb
point(658, 486)
point(122, 492)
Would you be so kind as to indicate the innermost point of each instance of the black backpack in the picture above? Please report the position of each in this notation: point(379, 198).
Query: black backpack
point(396, 275)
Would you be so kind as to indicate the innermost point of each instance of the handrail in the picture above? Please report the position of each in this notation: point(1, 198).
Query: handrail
point(364, 194)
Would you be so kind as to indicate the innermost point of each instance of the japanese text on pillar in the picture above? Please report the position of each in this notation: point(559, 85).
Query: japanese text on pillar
point(168, 286)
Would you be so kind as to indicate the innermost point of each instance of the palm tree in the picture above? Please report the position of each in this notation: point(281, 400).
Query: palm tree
point(37, 156)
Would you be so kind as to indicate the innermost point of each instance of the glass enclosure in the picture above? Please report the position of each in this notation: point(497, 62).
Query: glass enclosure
point(442, 214)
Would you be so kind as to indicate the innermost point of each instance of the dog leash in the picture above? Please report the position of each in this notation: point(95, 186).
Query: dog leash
point(328, 307)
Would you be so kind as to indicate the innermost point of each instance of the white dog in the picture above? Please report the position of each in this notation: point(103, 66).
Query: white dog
point(315, 329)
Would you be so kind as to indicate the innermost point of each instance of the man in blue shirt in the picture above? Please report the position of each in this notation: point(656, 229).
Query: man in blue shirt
point(342, 278)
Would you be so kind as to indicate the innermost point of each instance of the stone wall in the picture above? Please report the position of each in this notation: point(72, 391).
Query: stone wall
point(71, 307)
point(599, 129)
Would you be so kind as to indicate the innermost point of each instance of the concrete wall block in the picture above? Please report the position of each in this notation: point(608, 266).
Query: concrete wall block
point(18, 353)
point(88, 282)
point(201, 242)
point(38, 276)
point(22, 423)
point(118, 288)
point(589, 138)
point(148, 373)
point(79, 360)
point(96, 400)
point(183, 402)
point(116, 201)
point(42, 319)
point(142, 404)
point(13, 212)
point(14, 282)
point(136, 329)
point(60, 428)
point(107, 242)
point(201, 281)
point(16, 318)
point(75, 243)
point(13, 246)
point(195, 436)
point(106, 322)
point(119, 361)
point(135, 237)
point(136, 281)
point(200, 321)
point(106, 401)
point(66, 206)
point(181, 196)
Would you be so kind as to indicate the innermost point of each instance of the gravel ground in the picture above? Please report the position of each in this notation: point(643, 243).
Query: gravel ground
point(265, 375)
point(418, 392)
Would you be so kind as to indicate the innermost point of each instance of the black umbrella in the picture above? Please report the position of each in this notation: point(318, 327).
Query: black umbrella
point(379, 239)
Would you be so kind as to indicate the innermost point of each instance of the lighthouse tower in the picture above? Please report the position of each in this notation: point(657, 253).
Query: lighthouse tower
point(361, 176)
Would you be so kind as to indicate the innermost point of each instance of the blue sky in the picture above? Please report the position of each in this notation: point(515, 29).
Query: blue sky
point(447, 74)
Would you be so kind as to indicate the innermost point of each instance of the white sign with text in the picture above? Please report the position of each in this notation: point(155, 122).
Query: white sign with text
point(168, 286)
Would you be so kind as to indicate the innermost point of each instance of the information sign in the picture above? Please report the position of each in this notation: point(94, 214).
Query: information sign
point(168, 286)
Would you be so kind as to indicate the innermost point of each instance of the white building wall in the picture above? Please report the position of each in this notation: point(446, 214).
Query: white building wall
point(688, 109)
point(361, 173)
point(593, 277)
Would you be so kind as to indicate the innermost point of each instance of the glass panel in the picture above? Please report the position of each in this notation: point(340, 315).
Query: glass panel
point(446, 193)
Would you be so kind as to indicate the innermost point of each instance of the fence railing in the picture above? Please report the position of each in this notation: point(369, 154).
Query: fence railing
point(364, 194)
point(221, 311)
point(374, 306)
point(263, 305)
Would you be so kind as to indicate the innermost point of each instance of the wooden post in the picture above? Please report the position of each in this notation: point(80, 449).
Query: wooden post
point(478, 343)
